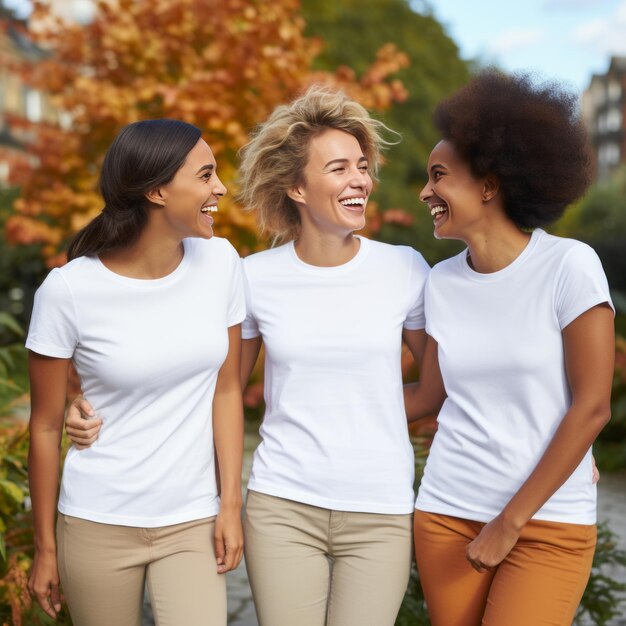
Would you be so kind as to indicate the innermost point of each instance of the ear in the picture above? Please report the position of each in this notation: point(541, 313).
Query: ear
point(156, 196)
point(491, 187)
point(296, 194)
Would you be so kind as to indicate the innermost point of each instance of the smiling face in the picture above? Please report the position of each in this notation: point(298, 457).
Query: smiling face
point(190, 198)
point(455, 197)
point(336, 185)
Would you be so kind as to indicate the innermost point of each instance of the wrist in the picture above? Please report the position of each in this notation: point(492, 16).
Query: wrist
point(513, 521)
point(46, 549)
point(230, 503)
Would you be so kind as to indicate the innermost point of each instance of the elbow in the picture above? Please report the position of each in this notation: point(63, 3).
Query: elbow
point(603, 416)
point(599, 415)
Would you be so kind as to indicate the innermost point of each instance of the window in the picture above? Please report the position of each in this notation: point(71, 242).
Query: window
point(608, 154)
point(33, 105)
point(614, 91)
point(613, 119)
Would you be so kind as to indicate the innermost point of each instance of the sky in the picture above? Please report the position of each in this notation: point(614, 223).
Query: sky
point(565, 40)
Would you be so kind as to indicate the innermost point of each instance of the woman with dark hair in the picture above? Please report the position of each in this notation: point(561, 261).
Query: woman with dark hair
point(520, 325)
point(149, 311)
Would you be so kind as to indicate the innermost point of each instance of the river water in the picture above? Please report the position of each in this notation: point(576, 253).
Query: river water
point(611, 507)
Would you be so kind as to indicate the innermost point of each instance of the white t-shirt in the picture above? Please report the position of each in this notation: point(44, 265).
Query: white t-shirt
point(148, 353)
point(502, 362)
point(334, 433)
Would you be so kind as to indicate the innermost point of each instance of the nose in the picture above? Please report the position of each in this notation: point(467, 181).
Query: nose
point(426, 192)
point(360, 178)
point(219, 189)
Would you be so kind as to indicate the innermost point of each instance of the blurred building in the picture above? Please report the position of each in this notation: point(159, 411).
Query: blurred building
point(604, 112)
point(21, 104)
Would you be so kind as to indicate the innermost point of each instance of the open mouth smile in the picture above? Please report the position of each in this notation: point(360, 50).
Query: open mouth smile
point(356, 202)
point(438, 211)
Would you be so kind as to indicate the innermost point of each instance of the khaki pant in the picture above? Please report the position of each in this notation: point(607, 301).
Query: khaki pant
point(103, 570)
point(539, 583)
point(310, 566)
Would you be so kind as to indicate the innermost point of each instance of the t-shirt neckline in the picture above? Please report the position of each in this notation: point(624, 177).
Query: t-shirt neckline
point(505, 271)
point(148, 283)
point(356, 260)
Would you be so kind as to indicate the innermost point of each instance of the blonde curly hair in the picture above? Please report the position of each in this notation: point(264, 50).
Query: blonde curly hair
point(273, 161)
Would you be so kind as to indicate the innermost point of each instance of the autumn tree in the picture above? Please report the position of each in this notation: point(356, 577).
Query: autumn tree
point(220, 64)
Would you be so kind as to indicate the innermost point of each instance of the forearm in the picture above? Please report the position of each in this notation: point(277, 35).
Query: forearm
point(228, 438)
point(420, 402)
point(573, 438)
point(43, 472)
point(425, 397)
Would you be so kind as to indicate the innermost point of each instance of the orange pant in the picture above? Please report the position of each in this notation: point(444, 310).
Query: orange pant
point(540, 582)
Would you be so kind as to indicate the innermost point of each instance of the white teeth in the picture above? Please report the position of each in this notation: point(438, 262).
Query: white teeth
point(437, 209)
point(349, 201)
point(207, 209)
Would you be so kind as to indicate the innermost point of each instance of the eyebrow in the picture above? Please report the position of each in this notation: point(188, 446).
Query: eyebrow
point(363, 158)
point(209, 167)
point(437, 165)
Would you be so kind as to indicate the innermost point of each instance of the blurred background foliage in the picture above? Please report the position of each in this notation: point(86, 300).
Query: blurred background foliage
point(224, 66)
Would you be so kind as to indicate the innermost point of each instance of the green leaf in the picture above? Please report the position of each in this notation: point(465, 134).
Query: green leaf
point(8, 321)
point(12, 490)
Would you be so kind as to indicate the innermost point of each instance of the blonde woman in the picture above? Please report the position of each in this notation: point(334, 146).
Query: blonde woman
point(328, 516)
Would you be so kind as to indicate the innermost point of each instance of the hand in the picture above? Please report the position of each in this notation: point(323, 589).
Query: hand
point(228, 539)
point(82, 425)
point(492, 545)
point(43, 583)
point(595, 472)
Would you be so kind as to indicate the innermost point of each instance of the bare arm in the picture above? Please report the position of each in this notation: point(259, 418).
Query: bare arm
point(416, 342)
point(425, 397)
point(228, 437)
point(250, 349)
point(589, 357)
point(48, 383)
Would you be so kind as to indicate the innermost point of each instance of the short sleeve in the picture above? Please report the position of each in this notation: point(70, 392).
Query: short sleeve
point(53, 329)
point(236, 301)
point(249, 328)
point(416, 317)
point(581, 284)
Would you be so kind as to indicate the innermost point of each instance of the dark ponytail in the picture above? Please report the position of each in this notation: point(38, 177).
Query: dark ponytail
point(143, 156)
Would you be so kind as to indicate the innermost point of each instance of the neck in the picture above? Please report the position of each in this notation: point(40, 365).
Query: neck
point(493, 249)
point(326, 250)
point(150, 257)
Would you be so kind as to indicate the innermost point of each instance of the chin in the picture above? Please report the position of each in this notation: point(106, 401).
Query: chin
point(442, 234)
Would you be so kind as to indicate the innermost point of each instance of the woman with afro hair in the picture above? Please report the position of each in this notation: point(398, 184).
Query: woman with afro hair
point(520, 325)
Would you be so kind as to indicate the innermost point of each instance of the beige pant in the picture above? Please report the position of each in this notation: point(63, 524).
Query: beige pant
point(310, 566)
point(103, 570)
